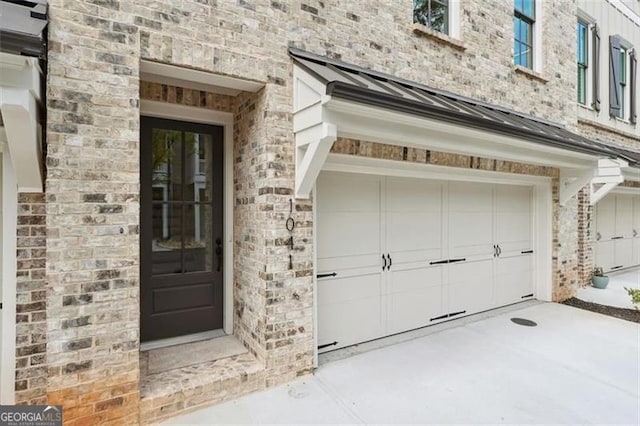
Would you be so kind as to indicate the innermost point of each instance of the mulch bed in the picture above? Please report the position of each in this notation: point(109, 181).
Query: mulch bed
point(625, 314)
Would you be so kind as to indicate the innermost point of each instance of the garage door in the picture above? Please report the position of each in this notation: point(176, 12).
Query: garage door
point(395, 254)
point(617, 227)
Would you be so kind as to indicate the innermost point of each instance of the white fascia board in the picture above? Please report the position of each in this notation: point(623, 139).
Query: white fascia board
point(631, 174)
point(19, 114)
point(200, 80)
point(373, 124)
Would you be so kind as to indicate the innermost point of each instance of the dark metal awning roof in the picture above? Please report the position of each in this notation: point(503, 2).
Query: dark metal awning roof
point(22, 27)
point(373, 88)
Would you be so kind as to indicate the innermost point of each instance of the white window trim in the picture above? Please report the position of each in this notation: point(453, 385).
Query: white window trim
point(454, 19)
point(537, 37)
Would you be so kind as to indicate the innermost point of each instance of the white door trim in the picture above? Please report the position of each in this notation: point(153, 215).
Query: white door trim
point(542, 209)
point(9, 200)
point(224, 119)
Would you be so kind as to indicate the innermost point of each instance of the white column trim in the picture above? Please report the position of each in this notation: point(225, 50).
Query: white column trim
point(9, 265)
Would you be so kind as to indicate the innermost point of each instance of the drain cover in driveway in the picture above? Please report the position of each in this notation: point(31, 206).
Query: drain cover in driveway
point(525, 322)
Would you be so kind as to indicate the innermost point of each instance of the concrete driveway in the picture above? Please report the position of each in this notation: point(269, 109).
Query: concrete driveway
point(574, 367)
point(614, 294)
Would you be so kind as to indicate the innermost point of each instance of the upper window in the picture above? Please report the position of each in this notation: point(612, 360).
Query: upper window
point(433, 14)
point(583, 61)
point(524, 18)
point(622, 79)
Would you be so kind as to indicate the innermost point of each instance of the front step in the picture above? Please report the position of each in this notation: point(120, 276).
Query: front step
point(181, 390)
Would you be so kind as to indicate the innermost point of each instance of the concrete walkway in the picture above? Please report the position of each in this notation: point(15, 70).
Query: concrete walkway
point(574, 367)
point(614, 294)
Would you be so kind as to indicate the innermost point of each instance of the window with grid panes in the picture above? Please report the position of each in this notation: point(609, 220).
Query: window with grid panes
point(433, 14)
point(523, 21)
point(583, 64)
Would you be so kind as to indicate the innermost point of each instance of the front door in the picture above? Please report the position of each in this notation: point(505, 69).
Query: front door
point(180, 228)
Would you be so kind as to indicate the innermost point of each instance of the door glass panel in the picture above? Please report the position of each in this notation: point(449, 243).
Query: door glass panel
point(198, 164)
point(166, 245)
point(167, 164)
point(198, 236)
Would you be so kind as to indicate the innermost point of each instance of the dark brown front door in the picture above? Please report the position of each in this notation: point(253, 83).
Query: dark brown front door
point(180, 228)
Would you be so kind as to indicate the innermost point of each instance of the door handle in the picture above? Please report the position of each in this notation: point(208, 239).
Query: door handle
point(635, 233)
point(495, 250)
point(390, 263)
point(384, 259)
point(499, 250)
point(219, 253)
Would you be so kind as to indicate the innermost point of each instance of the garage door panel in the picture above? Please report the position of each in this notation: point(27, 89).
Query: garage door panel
point(606, 217)
point(351, 265)
point(339, 290)
point(605, 254)
point(513, 280)
point(623, 253)
point(348, 192)
point(624, 215)
point(348, 234)
point(415, 279)
point(409, 310)
point(636, 251)
point(350, 323)
point(413, 232)
point(470, 234)
point(470, 286)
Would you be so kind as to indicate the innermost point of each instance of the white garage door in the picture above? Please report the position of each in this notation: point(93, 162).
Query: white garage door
point(396, 254)
point(617, 228)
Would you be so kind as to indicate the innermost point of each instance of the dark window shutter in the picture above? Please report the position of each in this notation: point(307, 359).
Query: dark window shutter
point(614, 74)
point(634, 88)
point(596, 68)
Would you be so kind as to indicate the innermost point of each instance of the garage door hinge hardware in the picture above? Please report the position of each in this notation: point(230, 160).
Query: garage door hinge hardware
point(332, 274)
point(440, 262)
point(327, 345)
point(617, 267)
point(526, 252)
point(527, 295)
point(448, 315)
point(617, 238)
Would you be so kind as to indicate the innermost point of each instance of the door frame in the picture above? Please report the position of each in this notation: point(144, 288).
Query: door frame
point(9, 200)
point(542, 210)
point(169, 111)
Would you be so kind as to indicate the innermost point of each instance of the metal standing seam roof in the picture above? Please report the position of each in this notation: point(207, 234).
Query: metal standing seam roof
point(373, 88)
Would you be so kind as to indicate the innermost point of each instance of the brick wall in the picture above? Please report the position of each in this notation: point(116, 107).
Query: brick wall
point(31, 300)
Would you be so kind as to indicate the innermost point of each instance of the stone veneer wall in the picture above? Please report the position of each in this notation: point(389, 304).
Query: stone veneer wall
point(585, 242)
point(92, 193)
point(566, 249)
point(31, 301)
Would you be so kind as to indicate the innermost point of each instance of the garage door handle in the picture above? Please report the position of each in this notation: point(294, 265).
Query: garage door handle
point(390, 263)
point(384, 259)
point(332, 274)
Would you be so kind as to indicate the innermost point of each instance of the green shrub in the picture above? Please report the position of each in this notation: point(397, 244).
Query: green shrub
point(635, 296)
